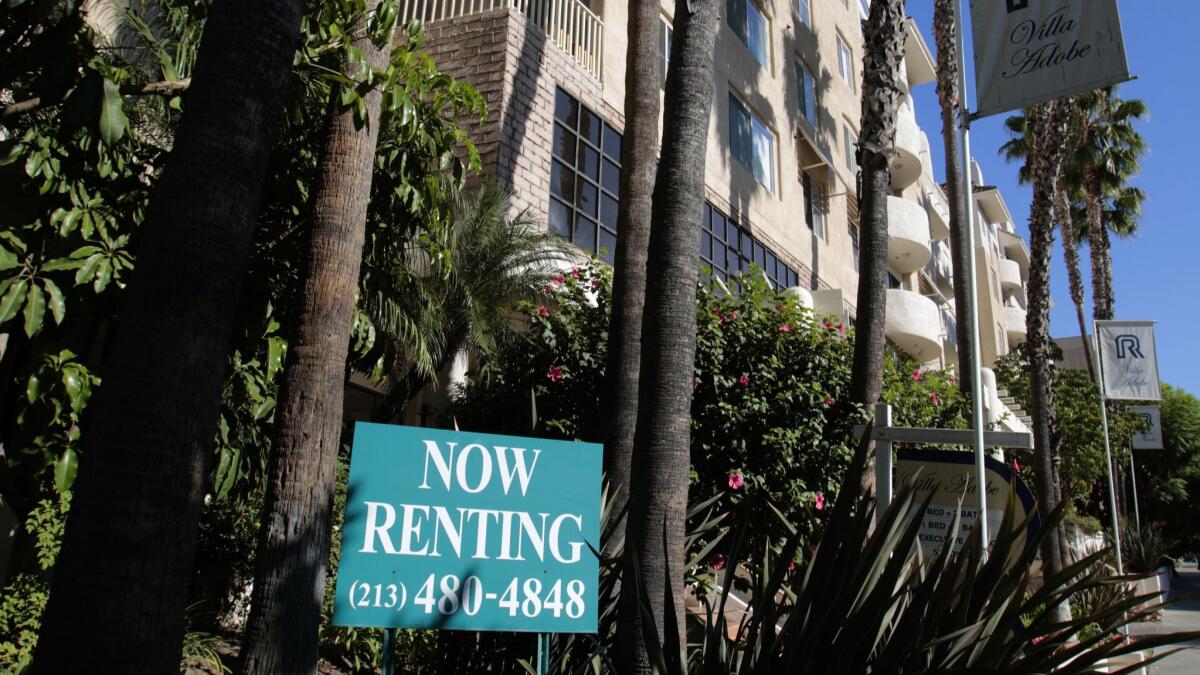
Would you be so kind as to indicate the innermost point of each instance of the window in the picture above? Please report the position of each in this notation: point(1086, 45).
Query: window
point(752, 142)
point(850, 137)
point(814, 204)
point(892, 280)
point(865, 6)
point(585, 178)
point(804, 9)
point(748, 21)
point(728, 250)
point(806, 83)
point(665, 34)
point(845, 62)
point(853, 228)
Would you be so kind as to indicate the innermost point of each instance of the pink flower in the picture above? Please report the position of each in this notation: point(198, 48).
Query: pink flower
point(736, 480)
point(595, 284)
point(785, 328)
point(719, 563)
point(1016, 464)
point(744, 380)
point(548, 289)
point(575, 272)
point(792, 566)
point(841, 328)
point(933, 398)
point(828, 400)
point(917, 376)
point(555, 374)
point(543, 311)
point(828, 324)
point(819, 502)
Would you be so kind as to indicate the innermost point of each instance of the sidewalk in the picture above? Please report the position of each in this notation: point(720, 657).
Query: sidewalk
point(1184, 615)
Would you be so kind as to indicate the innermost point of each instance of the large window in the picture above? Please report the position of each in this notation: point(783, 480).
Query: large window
point(729, 250)
point(665, 34)
point(806, 83)
point(804, 9)
point(845, 62)
point(585, 178)
point(752, 142)
point(850, 140)
point(751, 25)
point(814, 204)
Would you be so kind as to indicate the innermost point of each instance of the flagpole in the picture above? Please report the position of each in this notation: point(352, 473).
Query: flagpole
point(1108, 464)
point(977, 422)
point(1137, 516)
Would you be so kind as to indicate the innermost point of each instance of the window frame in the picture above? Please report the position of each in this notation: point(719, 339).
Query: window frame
point(807, 94)
point(738, 19)
point(803, 10)
point(814, 195)
point(845, 54)
point(850, 145)
point(576, 161)
point(756, 125)
point(666, 35)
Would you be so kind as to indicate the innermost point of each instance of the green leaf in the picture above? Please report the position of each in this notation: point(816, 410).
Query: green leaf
point(113, 121)
point(103, 275)
point(88, 270)
point(60, 264)
point(13, 299)
point(72, 381)
point(33, 388)
point(276, 347)
point(58, 307)
point(65, 469)
point(8, 259)
point(35, 310)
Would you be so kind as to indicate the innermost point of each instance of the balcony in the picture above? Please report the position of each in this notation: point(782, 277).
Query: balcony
point(569, 24)
point(908, 235)
point(914, 324)
point(939, 212)
point(1010, 275)
point(1014, 324)
point(906, 164)
point(1015, 249)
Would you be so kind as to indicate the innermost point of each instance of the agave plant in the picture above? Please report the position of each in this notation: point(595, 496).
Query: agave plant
point(869, 601)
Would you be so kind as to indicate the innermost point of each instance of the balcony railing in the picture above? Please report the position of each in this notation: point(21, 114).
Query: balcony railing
point(576, 29)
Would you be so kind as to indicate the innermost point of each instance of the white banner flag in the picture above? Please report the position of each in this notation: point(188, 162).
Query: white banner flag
point(1029, 51)
point(1152, 437)
point(1128, 360)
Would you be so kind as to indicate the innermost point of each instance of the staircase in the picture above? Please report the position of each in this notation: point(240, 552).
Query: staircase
point(1011, 403)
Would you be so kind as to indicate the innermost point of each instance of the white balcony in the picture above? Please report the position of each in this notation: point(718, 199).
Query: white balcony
point(1010, 275)
point(906, 164)
point(569, 24)
point(908, 235)
point(1014, 324)
point(914, 324)
point(939, 212)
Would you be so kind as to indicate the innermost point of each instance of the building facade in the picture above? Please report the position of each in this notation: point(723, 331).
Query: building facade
point(780, 174)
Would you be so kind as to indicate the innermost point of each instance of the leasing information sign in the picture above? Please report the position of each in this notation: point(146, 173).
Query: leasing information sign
point(1128, 360)
point(456, 530)
point(1029, 51)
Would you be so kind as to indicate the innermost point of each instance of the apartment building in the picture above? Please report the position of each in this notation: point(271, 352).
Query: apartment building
point(780, 168)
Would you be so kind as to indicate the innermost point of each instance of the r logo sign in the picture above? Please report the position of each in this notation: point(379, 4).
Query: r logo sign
point(1016, 5)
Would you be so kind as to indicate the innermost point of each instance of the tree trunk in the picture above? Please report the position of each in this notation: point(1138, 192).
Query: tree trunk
point(639, 153)
point(1070, 246)
point(289, 582)
point(1098, 244)
point(946, 37)
point(120, 585)
point(884, 40)
point(1048, 125)
point(660, 465)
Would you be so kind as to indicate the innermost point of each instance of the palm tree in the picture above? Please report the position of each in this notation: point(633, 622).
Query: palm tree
point(120, 585)
point(639, 152)
point(660, 465)
point(946, 36)
point(1105, 158)
point(281, 633)
point(1045, 125)
point(427, 318)
point(1069, 229)
point(884, 39)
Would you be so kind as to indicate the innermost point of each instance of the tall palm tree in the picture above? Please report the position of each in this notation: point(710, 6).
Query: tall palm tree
point(883, 55)
point(659, 477)
point(1046, 124)
point(1069, 230)
point(639, 152)
point(289, 580)
point(120, 585)
point(946, 36)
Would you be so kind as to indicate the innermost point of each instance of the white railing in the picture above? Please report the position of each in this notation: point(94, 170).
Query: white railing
point(576, 29)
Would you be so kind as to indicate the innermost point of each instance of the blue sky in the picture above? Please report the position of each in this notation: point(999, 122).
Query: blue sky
point(1157, 274)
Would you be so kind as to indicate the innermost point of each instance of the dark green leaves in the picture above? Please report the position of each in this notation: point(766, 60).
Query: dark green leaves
point(113, 121)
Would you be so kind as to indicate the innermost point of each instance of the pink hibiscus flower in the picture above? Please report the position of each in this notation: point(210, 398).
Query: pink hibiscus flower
point(719, 563)
point(828, 400)
point(785, 328)
point(744, 380)
point(736, 480)
point(933, 398)
point(917, 376)
point(575, 272)
point(1016, 465)
point(555, 374)
point(819, 501)
point(542, 310)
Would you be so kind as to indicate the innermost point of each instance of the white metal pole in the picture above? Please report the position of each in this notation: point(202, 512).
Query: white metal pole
point(883, 463)
point(1108, 464)
point(977, 420)
point(1137, 516)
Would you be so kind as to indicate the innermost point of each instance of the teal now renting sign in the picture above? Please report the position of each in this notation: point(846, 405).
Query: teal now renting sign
point(458, 530)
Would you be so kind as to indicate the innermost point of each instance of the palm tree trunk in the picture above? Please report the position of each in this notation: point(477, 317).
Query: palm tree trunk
point(1070, 244)
point(289, 582)
point(120, 585)
point(639, 152)
point(946, 36)
point(1048, 125)
point(660, 465)
point(1098, 244)
point(884, 40)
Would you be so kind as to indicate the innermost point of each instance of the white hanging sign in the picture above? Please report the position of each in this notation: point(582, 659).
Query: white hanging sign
point(1152, 437)
point(1128, 360)
point(1029, 51)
